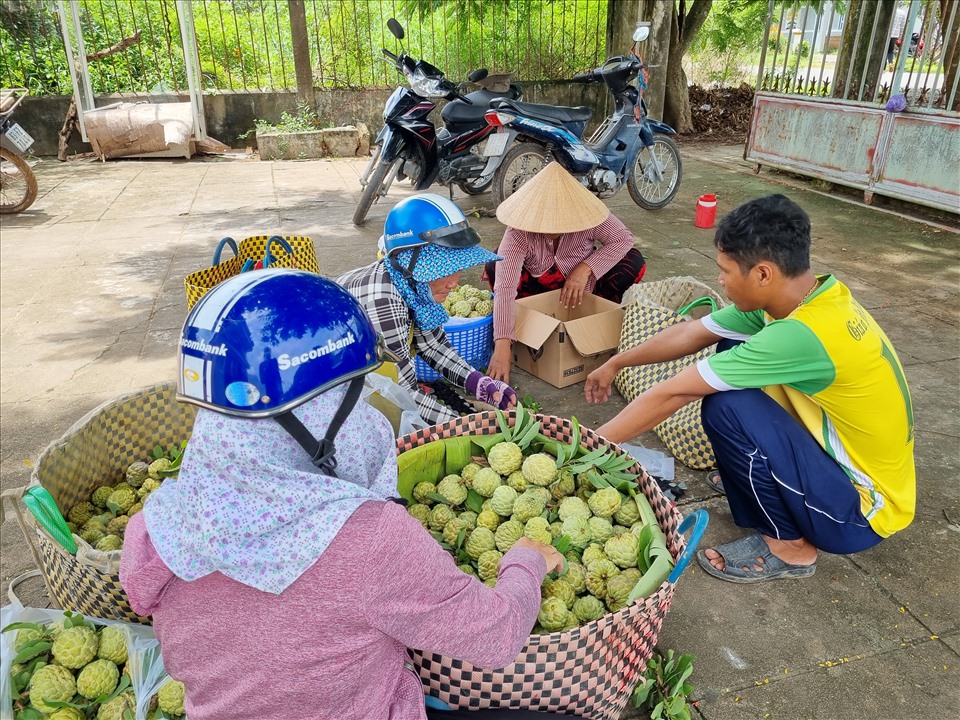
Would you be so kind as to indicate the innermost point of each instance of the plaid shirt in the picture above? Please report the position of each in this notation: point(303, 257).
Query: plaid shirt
point(393, 319)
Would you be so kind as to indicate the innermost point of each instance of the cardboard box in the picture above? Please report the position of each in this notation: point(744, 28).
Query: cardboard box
point(563, 345)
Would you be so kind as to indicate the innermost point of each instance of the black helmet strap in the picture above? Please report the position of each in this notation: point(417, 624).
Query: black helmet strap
point(323, 454)
point(407, 272)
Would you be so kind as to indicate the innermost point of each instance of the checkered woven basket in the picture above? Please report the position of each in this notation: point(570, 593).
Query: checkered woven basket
point(97, 450)
point(589, 671)
point(649, 308)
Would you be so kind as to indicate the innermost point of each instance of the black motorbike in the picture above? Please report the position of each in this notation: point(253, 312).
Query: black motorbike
point(409, 146)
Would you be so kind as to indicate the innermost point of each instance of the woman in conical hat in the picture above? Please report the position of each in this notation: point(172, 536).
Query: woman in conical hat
point(559, 236)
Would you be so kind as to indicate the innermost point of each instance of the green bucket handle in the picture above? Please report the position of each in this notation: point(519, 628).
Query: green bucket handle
point(699, 302)
point(42, 506)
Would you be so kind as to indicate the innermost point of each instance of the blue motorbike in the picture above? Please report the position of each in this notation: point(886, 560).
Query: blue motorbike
point(627, 149)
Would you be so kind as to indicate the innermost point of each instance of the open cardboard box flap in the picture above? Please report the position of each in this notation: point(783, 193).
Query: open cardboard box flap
point(593, 327)
point(597, 333)
point(532, 327)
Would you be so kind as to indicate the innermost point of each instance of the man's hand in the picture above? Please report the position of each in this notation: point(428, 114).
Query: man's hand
point(597, 388)
point(574, 286)
point(500, 361)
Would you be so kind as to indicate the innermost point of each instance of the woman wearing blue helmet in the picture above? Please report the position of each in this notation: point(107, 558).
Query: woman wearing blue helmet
point(427, 243)
point(285, 583)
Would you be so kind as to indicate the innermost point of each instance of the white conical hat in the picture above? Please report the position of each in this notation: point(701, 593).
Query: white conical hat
point(552, 202)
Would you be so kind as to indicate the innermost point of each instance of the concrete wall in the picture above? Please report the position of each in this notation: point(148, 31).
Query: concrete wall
point(229, 115)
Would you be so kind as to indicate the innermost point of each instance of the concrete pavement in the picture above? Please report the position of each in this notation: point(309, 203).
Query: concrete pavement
point(91, 303)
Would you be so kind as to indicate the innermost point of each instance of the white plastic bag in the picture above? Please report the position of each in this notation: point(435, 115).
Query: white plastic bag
point(147, 673)
point(390, 392)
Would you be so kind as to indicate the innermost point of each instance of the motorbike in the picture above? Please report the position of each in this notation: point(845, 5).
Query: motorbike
point(628, 148)
point(18, 184)
point(409, 146)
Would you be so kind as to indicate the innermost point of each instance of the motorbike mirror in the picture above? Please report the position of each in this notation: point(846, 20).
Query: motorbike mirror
point(395, 28)
point(642, 32)
point(477, 75)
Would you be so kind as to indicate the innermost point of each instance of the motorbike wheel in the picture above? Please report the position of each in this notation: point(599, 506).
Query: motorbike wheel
point(522, 162)
point(473, 187)
point(645, 190)
point(18, 184)
point(377, 185)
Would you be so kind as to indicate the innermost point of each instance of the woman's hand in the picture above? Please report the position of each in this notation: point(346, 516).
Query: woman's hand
point(598, 385)
point(494, 392)
point(500, 361)
point(574, 286)
point(553, 558)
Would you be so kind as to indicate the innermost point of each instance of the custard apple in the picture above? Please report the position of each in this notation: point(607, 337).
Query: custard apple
point(451, 531)
point(486, 481)
point(556, 529)
point(516, 481)
point(75, 647)
point(158, 466)
point(538, 529)
point(527, 507)
point(488, 564)
point(564, 486)
point(468, 569)
point(577, 529)
point(122, 498)
point(115, 709)
point(66, 713)
point(118, 524)
point(574, 507)
point(628, 513)
point(421, 490)
point(576, 576)
point(622, 550)
point(572, 621)
point(488, 519)
point(149, 485)
point(113, 646)
point(505, 458)
point(619, 588)
point(82, 512)
point(469, 518)
point(503, 500)
point(507, 534)
point(170, 698)
point(137, 473)
point(24, 636)
point(558, 588)
point(100, 496)
point(599, 573)
point(541, 493)
point(440, 515)
point(591, 553)
point(553, 614)
point(492, 582)
point(461, 308)
point(589, 608)
point(92, 535)
point(453, 489)
point(604, 503)
point(51, 683)
point(420, 512)
point(109, 542)
point(540, 469)
point(600, 528)
point(484, 308)
point(479, 542)
point(97, 678)
point(469, 472)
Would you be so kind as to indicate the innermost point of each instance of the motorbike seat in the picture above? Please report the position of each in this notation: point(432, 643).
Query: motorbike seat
point(553, 114)
point(458, 112)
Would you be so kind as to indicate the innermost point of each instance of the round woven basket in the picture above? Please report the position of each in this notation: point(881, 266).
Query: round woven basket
point(96, 451)
point(589, 671)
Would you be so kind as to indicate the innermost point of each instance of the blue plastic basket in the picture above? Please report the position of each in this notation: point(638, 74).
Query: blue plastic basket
point(473, 341)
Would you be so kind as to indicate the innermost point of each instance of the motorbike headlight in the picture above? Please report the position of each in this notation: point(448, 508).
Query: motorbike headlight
point(426, 86)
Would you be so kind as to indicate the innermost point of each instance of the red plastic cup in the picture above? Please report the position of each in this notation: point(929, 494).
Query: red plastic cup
point(706, 211)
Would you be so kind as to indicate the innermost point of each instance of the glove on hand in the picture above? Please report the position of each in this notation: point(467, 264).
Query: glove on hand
point(483, 388)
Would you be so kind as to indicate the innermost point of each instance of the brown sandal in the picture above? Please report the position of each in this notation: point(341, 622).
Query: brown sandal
point(716, 482)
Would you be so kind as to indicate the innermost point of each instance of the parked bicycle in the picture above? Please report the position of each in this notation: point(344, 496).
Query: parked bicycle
point(18, 184)
point(409, 146)
point(628, 148)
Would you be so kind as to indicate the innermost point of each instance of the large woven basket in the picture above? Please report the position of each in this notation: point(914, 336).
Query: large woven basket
point(96, 451)
point(589, 671)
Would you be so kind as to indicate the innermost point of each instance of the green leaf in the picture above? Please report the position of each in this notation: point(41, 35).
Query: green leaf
point(437, 497)
point(528, 435)
point(562, 544)
point(593, 455)
point(576, 435)
point(523, 417)
point(460, 537)
point(504, 425)
point(23, 626)
point(561, 455)
point(29, 714)
point(157, 452)
point(31, 649)
point(598, 482)
point(485, 442)
point(474, 501)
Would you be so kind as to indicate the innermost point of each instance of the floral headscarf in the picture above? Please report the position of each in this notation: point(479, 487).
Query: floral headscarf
point(250, 504)
point(434, 262)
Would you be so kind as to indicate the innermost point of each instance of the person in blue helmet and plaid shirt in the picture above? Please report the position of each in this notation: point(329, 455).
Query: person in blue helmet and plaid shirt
point(426, 244)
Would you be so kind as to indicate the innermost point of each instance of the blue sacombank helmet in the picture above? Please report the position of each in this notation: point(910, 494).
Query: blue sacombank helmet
point(427, 219)
point(264, 342)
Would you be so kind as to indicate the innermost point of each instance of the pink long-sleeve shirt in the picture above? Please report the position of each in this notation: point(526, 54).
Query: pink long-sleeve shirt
point(600, 247)
point(333, 644)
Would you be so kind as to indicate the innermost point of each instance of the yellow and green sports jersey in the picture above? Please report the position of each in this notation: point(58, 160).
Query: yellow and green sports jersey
point(832, 367)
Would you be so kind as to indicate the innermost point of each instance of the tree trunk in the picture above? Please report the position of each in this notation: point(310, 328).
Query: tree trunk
point(301, 54)
point(684, 28)
point(951, 53)
point(656, 52)
point(857, 54)
point(622, 17)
